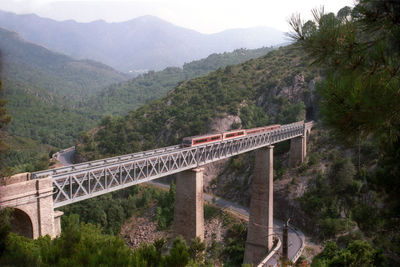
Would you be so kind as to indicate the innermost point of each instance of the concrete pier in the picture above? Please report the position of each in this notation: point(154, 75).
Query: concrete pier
point(297, 151)
point(260, 230)
point(189, 210)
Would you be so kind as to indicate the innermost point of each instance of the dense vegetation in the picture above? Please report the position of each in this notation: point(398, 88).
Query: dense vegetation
point(90, 236)
point(41, 88)
point(356, 253)
point(358, 50)
point(4, 120)
point(41, 123)
point(112, 210)
point(25, 155)
point(82, 244)
point(36, 66)
point(259, 91)
point(42, 116)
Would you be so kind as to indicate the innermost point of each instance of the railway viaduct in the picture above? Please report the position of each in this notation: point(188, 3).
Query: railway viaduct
point(35, 196)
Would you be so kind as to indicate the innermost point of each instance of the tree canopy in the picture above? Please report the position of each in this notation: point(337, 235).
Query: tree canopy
point(359, 50)
point(4, 120)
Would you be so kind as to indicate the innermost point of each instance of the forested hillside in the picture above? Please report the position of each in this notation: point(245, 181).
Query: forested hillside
point(42, 89)
point(358, 50)
point(121, 98)
point(270, 89)
point(34, 65)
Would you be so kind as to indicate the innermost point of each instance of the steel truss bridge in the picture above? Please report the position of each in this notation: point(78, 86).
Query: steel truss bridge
point(86, 180)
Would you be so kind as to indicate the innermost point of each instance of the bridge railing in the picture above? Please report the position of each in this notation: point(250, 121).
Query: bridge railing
point(272, 253)
point(308, 125)
point(112, 160)
point(275, 251)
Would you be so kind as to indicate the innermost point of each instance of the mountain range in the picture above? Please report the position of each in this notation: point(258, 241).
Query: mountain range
point(37, 66)
point(143, 43)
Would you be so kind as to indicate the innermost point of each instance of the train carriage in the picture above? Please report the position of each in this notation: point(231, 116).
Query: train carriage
point(201, 139)
point(212, 138)
point(255, 130)
point(272, 127)
point(233, 134)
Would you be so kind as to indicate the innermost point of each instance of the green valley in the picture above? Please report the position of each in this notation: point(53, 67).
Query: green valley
point(121, 98)
point(42, 89)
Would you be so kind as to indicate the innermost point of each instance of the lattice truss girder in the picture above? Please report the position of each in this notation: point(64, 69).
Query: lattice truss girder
point(77, 185)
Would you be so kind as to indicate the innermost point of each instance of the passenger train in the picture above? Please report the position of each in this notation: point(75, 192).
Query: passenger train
point(212, 138)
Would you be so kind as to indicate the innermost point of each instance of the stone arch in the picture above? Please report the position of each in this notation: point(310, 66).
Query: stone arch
point(21, 223)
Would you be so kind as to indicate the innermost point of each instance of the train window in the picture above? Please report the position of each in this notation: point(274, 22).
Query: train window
point(200, 141)
point(215, 138)
point(230, 135)
point(240, 133)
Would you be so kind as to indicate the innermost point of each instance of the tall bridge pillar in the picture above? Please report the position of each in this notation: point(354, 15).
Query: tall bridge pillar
point(297, 153)
point(189, 210)
point(260, 230)
point(32, 201)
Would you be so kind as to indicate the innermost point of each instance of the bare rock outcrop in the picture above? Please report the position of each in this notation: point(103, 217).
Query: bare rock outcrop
point(218, 125)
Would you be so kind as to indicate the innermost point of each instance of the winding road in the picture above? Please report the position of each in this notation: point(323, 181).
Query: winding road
point(295, 237)
point(65, 156)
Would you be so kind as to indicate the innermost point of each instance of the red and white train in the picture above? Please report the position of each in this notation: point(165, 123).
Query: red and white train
point(212, 138)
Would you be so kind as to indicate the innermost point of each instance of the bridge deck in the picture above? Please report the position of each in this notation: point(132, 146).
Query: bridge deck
point(90, 179)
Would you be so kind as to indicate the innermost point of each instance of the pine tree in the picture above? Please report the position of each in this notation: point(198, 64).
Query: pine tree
point(360, 53)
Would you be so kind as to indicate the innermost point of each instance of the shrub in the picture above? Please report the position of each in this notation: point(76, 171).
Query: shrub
point(210, 211)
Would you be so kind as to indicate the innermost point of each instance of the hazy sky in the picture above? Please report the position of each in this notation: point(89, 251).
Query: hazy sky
point(206, 16)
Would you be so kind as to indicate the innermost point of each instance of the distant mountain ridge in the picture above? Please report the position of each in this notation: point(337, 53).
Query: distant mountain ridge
point(142, 43)
point(57, 73)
